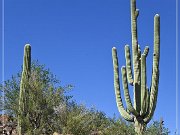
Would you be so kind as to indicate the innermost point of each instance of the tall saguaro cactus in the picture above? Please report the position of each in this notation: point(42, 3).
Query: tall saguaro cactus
point(144, 98)
point(23, 96)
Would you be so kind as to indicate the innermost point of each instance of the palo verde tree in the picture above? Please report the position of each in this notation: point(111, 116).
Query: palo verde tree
point(144, 98)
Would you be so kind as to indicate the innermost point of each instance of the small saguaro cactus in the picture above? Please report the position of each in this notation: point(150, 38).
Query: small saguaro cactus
point(144, 99)
point(23, 95)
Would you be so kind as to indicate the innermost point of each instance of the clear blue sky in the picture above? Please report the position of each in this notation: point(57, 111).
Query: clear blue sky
point(74, 39)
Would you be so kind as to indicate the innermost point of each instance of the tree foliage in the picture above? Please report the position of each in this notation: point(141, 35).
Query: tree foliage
point(45, 94)
point(52, 110)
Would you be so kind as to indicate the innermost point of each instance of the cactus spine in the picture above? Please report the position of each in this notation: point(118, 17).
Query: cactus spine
point(144, 99)
point(23, 96)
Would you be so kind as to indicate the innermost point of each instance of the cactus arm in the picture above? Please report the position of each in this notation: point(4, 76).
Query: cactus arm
point(128, 64)
point(137, 97)
point(136, 62)
point(126, 92)
point(139, 65)
point(139, 53)
point(23, 85)
point(147, 103)
point(146, 51)
point(143, 84)
point(119, 102)
point(134, 15)
point(155, 74)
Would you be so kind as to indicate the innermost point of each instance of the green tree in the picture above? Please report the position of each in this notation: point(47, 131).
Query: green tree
point(121, 127)
point(45, 94)
point(157, 128)
point(84, 121)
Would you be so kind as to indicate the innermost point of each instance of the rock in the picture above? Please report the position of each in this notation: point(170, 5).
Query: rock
point(7, 126)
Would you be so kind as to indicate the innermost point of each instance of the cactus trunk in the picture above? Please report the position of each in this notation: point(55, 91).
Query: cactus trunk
point(144, 99)
point(140, 127)
point(23, 95)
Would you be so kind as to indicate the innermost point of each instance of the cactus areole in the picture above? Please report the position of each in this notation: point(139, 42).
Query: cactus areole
point(144, 98)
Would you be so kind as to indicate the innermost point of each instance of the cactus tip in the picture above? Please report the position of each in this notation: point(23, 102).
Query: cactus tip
point(157, 15)
point(114, 49)
point(27, 46)
point(126, 45)
point(123, 67)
